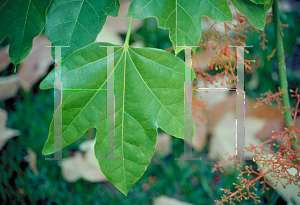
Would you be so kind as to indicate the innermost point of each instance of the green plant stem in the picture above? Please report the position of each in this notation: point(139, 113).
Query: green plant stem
point(126, 44)
point(282, 67)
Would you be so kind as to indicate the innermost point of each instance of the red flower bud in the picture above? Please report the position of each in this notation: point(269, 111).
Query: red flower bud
point(145, 186)
point(248, 67)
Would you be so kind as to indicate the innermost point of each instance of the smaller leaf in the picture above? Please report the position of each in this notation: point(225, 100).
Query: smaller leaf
point(76, 23)
point(22, 21)
point(181, 17)
point(255, 13)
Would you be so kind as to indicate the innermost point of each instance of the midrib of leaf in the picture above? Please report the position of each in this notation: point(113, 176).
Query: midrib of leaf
point(76, 22)
point(175, 24)
point(123, 115)
point(24, 29)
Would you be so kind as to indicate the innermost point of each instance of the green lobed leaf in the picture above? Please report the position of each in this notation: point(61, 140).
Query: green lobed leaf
point(255, 13)
point(22, 21)
point(149, 93)
point(76, 23)
point(181, 17)
point(261, 1)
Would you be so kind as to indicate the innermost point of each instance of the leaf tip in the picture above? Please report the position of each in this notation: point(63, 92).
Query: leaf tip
point(44, 85)
point(46, 151)
point(125, 192)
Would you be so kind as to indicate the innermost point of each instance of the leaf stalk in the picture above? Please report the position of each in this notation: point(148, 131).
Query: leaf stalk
point(126, 44)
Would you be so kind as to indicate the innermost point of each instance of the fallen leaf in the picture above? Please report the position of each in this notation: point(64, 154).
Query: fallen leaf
point(200, 122)
point(224, 136)
point(138, 44)
point(70, 168)
point(5, 133)
point(83, 165)
point(9, 86)
point(163, 144)
point(163, 200)
point(88, 148)
point(31, 159)
point(4, 58)
point(110, 36)
point(120, 24)
point(200, 136)
point(36, 65)
point(259, 122)
point(272, 115)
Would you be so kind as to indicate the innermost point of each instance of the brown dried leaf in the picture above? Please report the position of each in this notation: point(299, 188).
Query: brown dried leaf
point(272, 115)
point(163, 200)
point(259, 122)
point(200, 136)
point(224, 136)
point(37, 63)
point(83, 165)
point(120, 24)
point(5, 133)
point(109, 35)
point(163, 144)
point(31, 159)
point(4, 58)
point(9, 86)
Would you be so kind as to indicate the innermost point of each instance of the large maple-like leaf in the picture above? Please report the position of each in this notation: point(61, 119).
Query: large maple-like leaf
point(255, 13)
point(182, 17)
point(149, 93)
point(77, 23)
point(22, 21)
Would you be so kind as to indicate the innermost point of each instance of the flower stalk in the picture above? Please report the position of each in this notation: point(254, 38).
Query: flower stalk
point(282, 67)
